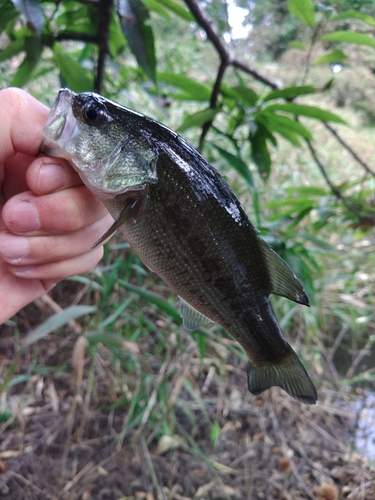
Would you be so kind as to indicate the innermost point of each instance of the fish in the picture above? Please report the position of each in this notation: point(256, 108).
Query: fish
point(184, 222)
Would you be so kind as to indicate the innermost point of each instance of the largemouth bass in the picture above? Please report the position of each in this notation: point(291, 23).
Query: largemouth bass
point(185, 224)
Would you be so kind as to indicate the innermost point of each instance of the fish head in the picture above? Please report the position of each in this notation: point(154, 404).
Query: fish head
point(102, 140)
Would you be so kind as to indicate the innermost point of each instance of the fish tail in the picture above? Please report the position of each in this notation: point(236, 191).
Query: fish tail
point(289, 374)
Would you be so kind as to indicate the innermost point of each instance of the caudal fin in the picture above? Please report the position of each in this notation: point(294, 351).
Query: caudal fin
point(290, 375)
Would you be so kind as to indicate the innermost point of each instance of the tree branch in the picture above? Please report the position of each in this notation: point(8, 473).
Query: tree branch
point(105, 10)
point(349, 149)
point(78, 37)
point(352, 208)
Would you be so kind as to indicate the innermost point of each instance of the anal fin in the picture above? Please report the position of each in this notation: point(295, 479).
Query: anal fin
point(191, 318)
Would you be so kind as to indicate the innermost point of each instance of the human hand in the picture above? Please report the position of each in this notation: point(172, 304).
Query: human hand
point(49, 219)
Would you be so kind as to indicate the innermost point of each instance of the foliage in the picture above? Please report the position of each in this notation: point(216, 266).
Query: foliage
point(176, 60)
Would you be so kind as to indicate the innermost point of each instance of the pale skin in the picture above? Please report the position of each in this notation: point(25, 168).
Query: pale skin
point(49, 219)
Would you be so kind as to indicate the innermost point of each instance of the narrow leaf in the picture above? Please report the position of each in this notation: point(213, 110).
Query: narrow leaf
point(198, 119)
point(134, 15)
point(155, 299)
point(191, 87)
point(352, 14)
point(259, 151)
point(33, 12)
point(33, 49)
point(290, 92)
point(349, 37)
point(177, 9)
point(309, 111)
point(304, 10)
point(276, 123)
point(8, 13)
point(74, 74)
point(56, 321)
point(244, 94)
point(238, 164)
point(12, 49)
point(337, 56)
point(155, 6)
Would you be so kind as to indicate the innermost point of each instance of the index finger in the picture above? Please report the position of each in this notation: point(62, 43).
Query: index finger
point(22, 123)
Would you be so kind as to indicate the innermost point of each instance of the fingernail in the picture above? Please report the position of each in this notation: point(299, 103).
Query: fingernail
point(14, 248)
point(21, 270)
point(50, 177)
point(22, 216)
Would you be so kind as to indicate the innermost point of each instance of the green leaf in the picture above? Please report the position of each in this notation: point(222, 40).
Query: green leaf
point(116, 41)
point(349, 37)
point(133, 16)
point(304, 10)
point(290, 92)
point(280, 123)
point(238, 164)
point(33, 12)
point(56, 321)
point(245, 94)
point(34, 50)
point(8, 13)
point(198, 119)
point(259, 151)
point(309, 111)
point(154, 5)
point(352, 14)
point(74, 74)
point(155, 299)
point(177, 9)
point(337, 56)
point(191, 87)
point(295, 44)
point(12, 49)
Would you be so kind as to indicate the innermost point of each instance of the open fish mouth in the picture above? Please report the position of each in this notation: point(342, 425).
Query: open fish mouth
point(60, 126)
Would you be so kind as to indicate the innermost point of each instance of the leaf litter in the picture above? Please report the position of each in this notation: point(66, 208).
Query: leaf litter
point(80, 433)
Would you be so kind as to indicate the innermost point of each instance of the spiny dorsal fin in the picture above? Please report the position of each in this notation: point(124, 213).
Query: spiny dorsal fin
point(127, 211)
point(192, 319)
point(283, 281)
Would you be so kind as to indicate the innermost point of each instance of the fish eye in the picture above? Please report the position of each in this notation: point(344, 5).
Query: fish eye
point(91, 114)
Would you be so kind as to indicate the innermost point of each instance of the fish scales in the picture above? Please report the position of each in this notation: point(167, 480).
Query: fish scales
point(184, 222)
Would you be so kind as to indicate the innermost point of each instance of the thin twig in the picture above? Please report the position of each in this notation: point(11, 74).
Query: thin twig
point(349, 149)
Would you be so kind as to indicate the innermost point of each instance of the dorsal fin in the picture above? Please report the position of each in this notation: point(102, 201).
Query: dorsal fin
point(283, 281)
point(192, 319)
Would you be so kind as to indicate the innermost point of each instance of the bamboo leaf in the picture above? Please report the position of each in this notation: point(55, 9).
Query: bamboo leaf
point(352, 14)
point(337, 56)
point(349, 37)
point(74, 74)
point(8, 13)
point(12, 49)
point(259, 151)
point(290, 92)
point(245, 94)
point(309, 111)
point(238, 164)
point(134, 16)
point(198, 119)
point(191, 87)
point(177, 9)
point(33, 48)
point(304, 10)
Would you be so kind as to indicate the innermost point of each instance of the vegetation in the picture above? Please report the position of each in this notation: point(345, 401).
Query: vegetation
point(110, 378)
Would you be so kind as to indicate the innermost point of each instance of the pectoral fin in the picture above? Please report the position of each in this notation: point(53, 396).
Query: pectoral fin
point(283, 281)
point(191, 318)
point(128, 211)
